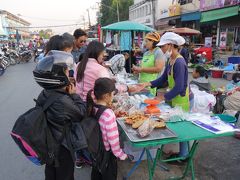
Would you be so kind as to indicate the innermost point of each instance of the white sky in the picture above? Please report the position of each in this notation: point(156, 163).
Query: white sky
point(53, 12)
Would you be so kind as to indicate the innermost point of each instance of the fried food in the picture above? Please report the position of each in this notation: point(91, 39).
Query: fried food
point(159, 124)
point(137, 124)
point(128, 121)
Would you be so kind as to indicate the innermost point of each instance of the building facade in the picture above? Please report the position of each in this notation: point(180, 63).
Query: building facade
point(220, 19)
point(142, 11)
point(10, 24)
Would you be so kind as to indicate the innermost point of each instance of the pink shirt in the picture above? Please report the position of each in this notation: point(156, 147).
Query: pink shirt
point(92, 72)
point(110, 134)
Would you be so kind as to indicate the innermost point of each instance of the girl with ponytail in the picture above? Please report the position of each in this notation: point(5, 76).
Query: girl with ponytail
point(104, 91)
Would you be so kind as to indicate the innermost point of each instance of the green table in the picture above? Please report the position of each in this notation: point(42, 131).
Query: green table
point(185, 131)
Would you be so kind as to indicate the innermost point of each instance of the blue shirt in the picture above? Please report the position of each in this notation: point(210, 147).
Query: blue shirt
point(180, 75)
point(77, 52)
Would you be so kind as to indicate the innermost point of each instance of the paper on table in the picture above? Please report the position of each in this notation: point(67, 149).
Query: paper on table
point(214, 125)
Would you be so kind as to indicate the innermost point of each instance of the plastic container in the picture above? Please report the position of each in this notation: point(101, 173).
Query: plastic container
point(217, 73)
point(226, 118)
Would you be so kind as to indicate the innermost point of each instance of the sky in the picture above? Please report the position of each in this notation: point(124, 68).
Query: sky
point(53, 12)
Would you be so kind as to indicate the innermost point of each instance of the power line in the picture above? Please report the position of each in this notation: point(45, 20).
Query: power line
point(53, 26)
point(48, 19)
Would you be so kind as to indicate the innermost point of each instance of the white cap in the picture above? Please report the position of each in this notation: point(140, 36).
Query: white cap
point(171, 38)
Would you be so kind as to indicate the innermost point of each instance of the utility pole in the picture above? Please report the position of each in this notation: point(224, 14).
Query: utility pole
point(154, 12)
point(118, 11)
point(89, 20)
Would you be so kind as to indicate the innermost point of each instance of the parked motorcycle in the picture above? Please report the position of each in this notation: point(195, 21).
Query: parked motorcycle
point(25, 55)
point(8, 56)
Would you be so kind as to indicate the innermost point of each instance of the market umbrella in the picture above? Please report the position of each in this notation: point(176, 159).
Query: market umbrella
point(128, 26)
point(184, 31)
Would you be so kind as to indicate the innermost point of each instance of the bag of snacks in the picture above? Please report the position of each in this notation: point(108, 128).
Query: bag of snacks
point(146, 128)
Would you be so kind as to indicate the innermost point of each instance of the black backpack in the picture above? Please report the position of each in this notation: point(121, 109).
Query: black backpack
point(93, 134)
point(33, 136)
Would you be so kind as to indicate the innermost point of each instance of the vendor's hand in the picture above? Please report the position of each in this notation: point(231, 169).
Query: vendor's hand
point(136, 69)
point(160, 97)
point(136, 88)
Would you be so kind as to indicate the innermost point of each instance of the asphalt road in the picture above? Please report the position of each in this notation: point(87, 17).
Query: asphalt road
point(216, 159)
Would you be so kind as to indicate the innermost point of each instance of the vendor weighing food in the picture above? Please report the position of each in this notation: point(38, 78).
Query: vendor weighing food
point(176, 73)
point(153, 60)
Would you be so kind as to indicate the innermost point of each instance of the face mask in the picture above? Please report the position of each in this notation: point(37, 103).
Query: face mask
point(168, 54)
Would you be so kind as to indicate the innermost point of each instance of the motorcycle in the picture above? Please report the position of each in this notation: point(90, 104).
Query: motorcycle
point(8, 56)
point(25, 55)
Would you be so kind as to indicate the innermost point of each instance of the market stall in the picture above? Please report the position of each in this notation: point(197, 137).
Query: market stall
point(148, 123)
point(124, 36)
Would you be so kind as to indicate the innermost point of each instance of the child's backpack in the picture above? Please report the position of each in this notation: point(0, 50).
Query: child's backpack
point(33, 136)
point(93, 134)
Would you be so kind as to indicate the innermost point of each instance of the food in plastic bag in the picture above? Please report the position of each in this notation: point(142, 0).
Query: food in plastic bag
point(146, 128)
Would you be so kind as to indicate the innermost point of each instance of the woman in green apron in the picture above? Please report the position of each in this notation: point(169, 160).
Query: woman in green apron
point(176, 75)
point(153, 61)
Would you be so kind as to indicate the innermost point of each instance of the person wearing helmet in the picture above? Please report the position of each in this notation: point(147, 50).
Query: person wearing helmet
point(51, 73)
point(153, 60)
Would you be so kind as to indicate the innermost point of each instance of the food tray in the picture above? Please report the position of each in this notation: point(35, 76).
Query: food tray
point(156, 134)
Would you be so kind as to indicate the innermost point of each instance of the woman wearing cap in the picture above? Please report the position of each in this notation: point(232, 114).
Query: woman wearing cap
point(153, 60)
point(176, 74)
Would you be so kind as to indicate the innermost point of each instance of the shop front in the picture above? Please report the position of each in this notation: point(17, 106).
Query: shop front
point(220, 22)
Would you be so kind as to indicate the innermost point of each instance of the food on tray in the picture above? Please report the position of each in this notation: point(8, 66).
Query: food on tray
point(159, 124)
point(137, 124)
point(145, 129)
point(136, 117)
point(121, 114)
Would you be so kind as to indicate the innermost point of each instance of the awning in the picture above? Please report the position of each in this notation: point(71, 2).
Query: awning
point(191, 16)
point(164, 21)
point(219, 14)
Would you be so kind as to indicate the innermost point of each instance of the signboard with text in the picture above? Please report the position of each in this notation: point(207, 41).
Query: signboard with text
point(174, 10)
point(215, 4)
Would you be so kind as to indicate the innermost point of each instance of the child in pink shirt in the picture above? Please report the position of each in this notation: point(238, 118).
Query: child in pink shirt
point(104, 90)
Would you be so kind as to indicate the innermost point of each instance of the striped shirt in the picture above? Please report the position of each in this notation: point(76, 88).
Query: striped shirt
point(118, 64)
point(110, 134)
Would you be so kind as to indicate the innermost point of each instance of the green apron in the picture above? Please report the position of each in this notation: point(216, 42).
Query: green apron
point(148, 61)
point(181, 101)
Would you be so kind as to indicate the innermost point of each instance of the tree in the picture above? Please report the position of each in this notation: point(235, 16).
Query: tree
point(46, 34)
point(109, 11)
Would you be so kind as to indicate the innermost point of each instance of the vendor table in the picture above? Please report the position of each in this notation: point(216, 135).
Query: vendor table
point(185, 131)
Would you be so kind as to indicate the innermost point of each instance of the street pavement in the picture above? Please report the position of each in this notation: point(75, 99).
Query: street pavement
point(216, 159)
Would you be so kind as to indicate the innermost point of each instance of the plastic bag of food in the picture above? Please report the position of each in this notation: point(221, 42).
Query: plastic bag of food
point(146, 128)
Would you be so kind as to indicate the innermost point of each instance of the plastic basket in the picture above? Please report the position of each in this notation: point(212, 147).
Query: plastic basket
point(227, 118)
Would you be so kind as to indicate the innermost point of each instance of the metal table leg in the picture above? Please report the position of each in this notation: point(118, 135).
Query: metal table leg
point(135, 165)
point(188, 167)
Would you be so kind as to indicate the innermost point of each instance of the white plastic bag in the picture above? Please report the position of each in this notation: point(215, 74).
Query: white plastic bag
point(203, 101)
point(146, 128)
